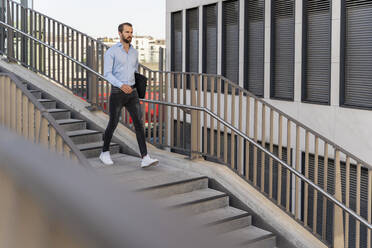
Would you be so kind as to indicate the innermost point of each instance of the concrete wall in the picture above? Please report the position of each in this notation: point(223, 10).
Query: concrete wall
point(348, 127)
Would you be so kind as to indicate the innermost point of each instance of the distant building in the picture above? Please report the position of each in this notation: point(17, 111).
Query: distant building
point(148, 48)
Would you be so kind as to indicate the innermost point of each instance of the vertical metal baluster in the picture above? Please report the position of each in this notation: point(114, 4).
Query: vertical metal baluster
point(54, 53)
point(63, 58)
point(232, 163)
point(173, 79)
point(81, 81)
point(155, 92)
point(35, 34)
point(45, 41)
point(289, 161)
point(226, 94)
point(325, 187)
point(219, 82)
point(255, 139)
point(68, 64)
point(40, 54)
point(315, 200)
point(73, 86)
point(103, 83)
point(166, 119)
point(247, 132)
point(298, 166)
point(263, 143)
point(357, 223)
point(31, 42)
point(49, 54)
point(347, 201)
point(184, 123)
point(280, 156)
point(205, 89)
point(161, 107)
point(271, 151)
point(199, 103)
point(17, 34)
point(149, 120)
point(306, 190)
point(212, 81)
point(240, 139)
point(97, 69)
point(178, 110)
point(58, 55)
point(338, 227)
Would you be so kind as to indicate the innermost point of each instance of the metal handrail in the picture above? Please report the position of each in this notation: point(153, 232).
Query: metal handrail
point(277, 159)
point(328, 141)
point(364, 164)
point(334, 200)
point(82, 159)
point(358, 160)
point(55, 50)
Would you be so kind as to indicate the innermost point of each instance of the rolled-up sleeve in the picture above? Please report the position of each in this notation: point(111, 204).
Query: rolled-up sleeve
point(108, 65)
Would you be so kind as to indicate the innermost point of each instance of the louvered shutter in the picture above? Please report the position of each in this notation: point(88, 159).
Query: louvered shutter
point(230, 51)
point(176, 64)
point(192, 37)
point(210, 39)
point(283, 25)
point(254, 46)
point(317, 58)
point(357, 88)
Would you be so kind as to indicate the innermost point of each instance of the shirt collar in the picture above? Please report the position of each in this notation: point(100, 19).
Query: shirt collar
point(121, 45)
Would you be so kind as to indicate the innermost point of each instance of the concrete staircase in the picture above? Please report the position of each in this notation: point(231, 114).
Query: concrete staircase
point(175, 189)
point(89, 141)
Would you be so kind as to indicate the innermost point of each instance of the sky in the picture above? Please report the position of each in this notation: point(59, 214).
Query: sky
point(100, 18)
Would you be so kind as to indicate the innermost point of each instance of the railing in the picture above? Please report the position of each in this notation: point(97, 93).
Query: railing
point(47, 201)
point(21, 112)
point(325, 163)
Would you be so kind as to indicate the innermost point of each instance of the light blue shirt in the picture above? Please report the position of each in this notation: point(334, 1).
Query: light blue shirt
point(119, 66)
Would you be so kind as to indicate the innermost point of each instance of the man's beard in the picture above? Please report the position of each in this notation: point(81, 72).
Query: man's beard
point(126, 40)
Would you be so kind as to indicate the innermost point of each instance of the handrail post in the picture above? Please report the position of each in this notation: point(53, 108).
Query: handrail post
point(338, 220)
point(92, 80)
point(194, 122)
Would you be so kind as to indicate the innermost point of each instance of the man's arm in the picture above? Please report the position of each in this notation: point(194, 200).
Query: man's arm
point(108, 65)
point(137, 63)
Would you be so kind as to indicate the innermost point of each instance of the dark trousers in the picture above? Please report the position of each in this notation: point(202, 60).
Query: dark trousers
point(118, 100)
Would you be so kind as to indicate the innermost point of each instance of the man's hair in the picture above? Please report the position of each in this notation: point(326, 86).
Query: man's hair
point(121, 26)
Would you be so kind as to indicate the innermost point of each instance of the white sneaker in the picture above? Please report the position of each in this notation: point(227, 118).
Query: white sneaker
point(106, 158)
point(147, 161)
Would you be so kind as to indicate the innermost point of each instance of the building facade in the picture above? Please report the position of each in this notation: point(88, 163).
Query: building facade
point(310, 59)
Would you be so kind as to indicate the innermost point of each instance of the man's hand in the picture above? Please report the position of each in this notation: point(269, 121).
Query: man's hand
point(126, 88)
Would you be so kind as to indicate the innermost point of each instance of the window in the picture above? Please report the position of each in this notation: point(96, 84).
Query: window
point(254, 46)
point(282, 53)
point(230, 40)
point(317, 53)
point(176, 36)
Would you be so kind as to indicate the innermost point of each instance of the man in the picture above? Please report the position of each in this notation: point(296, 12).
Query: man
point(121, 62)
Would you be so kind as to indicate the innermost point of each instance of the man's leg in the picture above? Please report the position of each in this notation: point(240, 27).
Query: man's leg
point(134, 108)
point(116, 104)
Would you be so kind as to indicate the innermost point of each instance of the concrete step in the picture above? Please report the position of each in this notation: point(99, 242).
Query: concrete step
point(180, 183)
point(59, 114)
point(72, 124)
point(36, 93)
point(85, 136)
point(252, 237)
point(94, 149)
point(224, 219)
point(48, 104)
point(197, 201)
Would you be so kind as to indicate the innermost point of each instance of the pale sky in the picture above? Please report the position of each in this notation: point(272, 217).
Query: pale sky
point(100, 18)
